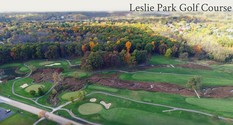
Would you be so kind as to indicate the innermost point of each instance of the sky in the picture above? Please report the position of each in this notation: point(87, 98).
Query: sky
point(88, 5)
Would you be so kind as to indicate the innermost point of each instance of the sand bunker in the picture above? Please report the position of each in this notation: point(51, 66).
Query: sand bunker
point(24, 86)
point(106, 105)
point(93, 100)
point(54, 64)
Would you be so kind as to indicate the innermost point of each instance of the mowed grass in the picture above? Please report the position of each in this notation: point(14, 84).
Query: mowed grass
point(158, 60)
point(69, 95)
point(23, 69)
point(102, 88)
point(29, 81)
point(89, 108)
point(131, 116)
point(42, 63)
point(76, 74)
point(75, 61)
point(223, 105)
point(180, 76)
point(128, 112)
point(34, 87)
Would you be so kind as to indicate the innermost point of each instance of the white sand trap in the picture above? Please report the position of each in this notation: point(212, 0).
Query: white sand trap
point(1, 81)
point(17, 77)
point(93, 100)
point(107, 106)
point(24, 86)
point(151, 86)
point(54, 64)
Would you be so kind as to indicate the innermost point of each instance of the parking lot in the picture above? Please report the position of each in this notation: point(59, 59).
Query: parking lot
point(4, 114)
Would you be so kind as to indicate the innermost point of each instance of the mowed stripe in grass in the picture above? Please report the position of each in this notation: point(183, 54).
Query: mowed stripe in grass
point(222, 105)
point(131, 116)
point(180, 76)
point(158, 59)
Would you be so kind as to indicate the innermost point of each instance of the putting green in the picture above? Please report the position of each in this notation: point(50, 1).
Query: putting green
point(89, 108)
point(69, 95)
point(33, 87)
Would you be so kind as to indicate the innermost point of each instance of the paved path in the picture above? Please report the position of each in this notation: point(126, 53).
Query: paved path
point(36, 111)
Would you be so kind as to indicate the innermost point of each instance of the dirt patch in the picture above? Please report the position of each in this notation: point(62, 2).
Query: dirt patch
point(194, 66)
point(113, 81)
point(73, 84)
point(218, 92)
point(45, 74)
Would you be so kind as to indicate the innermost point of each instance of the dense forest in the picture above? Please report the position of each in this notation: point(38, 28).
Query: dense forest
point(107, 41)
point(101, 44)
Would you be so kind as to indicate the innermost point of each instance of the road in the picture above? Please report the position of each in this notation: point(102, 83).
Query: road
point(36, 111)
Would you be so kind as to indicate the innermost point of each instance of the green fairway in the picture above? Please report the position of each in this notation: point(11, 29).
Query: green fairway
point(34, 87)
point(42, 64)
point(223, 105)
point(45, 63)
point(89, 108)
point(31, 86)
point(76, 74)
point(24, 69)
point(158, 59)
point(181, 76)
point(130, 116)
point(102, 88)
point(76, 61)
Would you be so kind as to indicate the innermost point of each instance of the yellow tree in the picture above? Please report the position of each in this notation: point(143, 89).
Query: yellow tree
point(128, 46)
point(92, 45)
point(84, 49)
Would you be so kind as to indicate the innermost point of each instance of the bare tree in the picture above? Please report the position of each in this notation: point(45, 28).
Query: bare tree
point(195, 84)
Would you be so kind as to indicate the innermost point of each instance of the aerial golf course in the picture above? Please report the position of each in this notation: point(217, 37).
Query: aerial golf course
point(114, 105)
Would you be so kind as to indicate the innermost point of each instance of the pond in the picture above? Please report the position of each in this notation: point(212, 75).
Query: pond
point(8, 73)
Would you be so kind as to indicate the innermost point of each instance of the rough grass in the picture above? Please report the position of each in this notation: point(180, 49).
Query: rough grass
point(89, 108)
point(34, 87)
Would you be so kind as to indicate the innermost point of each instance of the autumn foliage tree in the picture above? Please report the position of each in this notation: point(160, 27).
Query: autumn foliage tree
point(128, 46)
point(92, 45)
